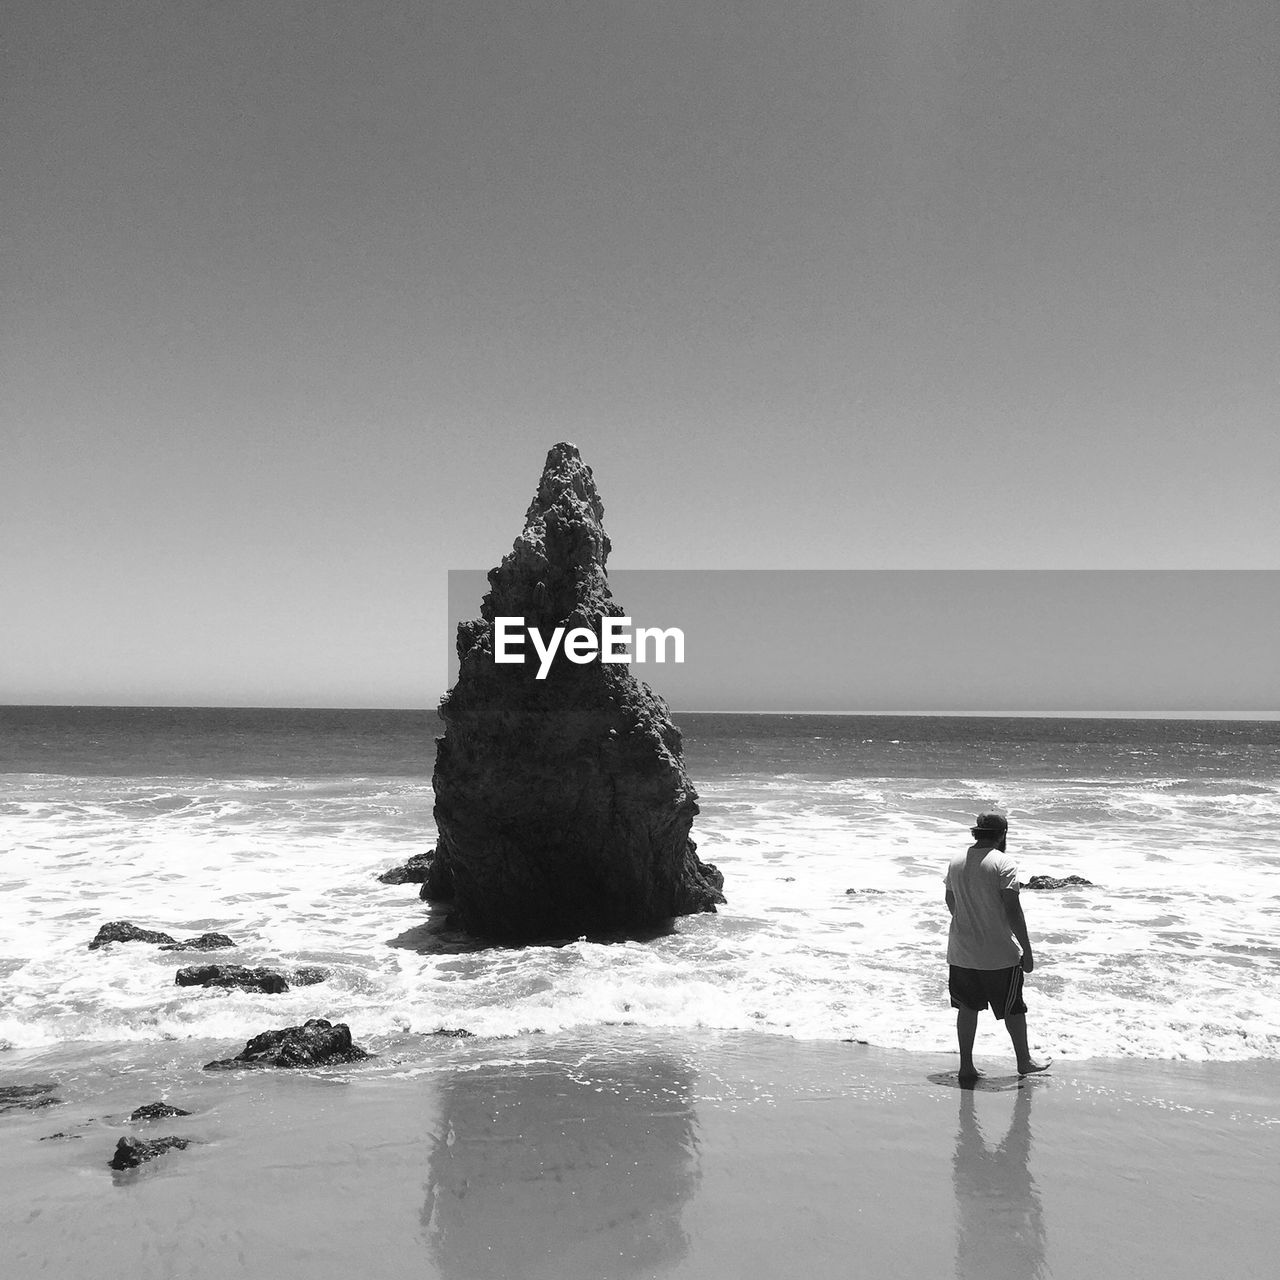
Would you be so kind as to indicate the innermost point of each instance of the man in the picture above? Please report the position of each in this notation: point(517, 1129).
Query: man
point(988, 950)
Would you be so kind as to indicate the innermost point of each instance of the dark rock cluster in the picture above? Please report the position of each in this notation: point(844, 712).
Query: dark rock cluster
point(271, 981)
point(232, 975)
point(1053, 882)
point(316, 1043)
point(131, 1152)
point(127, 931)
point(414, 871)
point(205, 942)
point(156, 1111)
point(562, 804)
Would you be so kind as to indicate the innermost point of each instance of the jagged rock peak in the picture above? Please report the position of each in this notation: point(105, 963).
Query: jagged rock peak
point(565, 477)
point(556, 567)
point(562, 803)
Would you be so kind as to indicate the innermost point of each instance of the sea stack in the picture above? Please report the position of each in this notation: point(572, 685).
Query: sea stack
point(562, 803)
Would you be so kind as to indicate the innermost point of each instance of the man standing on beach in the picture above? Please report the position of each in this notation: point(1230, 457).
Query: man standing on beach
point(988, 950)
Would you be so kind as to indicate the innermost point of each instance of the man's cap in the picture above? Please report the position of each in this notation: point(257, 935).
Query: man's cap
point(990, 824)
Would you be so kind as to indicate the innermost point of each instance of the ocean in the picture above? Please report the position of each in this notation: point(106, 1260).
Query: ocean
point(832, 832)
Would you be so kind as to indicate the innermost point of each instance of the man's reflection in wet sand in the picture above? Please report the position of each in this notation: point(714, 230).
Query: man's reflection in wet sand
point(547, 1170)
point(999, 1222)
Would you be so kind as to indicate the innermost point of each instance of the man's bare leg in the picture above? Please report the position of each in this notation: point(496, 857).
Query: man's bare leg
point(1017, 1027)
point(966, 1032)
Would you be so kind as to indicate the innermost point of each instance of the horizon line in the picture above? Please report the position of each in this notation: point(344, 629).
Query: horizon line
point(1050, 714)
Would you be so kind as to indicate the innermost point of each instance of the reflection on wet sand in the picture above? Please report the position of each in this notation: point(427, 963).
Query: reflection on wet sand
point(548, 1169)
point(999, 1222)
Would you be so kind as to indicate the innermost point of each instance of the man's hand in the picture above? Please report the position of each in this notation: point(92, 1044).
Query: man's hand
point(1028, 961)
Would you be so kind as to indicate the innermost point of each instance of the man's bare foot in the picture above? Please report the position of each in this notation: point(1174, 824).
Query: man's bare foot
point(1030, 1067)
point(968, 1074)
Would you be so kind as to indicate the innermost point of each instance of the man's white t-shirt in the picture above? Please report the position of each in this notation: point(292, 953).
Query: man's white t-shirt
point(980, 936)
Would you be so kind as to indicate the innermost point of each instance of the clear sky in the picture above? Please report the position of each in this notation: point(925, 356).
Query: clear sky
point(297, 296)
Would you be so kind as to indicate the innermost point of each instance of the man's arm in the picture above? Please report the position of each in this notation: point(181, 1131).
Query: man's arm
point(951, 902)
point(1018, 923)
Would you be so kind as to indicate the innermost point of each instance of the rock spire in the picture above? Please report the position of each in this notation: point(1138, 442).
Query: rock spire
point(562, 803)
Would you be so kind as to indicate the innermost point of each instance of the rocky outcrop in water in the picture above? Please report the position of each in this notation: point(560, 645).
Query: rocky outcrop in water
point(415, 871)
point(131, 1152)
point(271, 981)
point(156, 1111)
point(1054, 882)
point(562, 803)
point(232, 975)
point(127, 931)
point(316, 1043)
point(205, 942)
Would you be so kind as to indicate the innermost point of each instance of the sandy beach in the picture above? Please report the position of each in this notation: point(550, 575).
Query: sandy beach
point(630, 1153)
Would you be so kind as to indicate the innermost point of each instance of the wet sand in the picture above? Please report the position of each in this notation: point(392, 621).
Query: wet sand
point(632, 1154)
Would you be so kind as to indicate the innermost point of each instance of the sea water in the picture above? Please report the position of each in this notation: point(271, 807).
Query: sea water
point(833, 833)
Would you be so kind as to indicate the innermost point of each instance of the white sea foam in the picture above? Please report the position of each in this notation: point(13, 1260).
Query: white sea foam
point(1173, 954)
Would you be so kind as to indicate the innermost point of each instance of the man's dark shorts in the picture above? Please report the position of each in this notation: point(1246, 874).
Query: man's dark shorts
point(976, 988)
